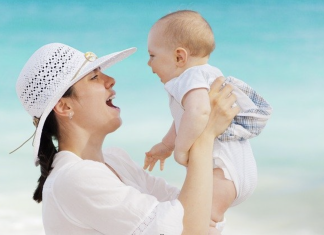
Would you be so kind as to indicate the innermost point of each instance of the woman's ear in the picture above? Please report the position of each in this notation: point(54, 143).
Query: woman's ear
point(181, 55)
point(63, 108)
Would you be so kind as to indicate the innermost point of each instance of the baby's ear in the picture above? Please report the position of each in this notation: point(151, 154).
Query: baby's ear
point(181, 55)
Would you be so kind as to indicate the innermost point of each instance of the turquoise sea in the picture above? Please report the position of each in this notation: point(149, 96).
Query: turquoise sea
point(275, 46)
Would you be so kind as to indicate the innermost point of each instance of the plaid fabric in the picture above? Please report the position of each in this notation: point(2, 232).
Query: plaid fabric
point(249, 122)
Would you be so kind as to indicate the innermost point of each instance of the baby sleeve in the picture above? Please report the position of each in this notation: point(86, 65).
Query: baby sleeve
point(192, 78)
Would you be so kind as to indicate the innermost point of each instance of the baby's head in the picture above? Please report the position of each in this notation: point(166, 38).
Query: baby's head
point(187, 29)
point(177, 41)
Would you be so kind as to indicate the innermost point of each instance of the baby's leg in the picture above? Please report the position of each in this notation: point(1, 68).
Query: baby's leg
point(224, 194)
point(181, 158)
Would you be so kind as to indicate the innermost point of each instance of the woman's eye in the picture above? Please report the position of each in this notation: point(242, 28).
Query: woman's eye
point(94, 77)
point(151, 56)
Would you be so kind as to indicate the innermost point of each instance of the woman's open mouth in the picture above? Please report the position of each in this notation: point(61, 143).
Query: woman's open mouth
point(109, 102)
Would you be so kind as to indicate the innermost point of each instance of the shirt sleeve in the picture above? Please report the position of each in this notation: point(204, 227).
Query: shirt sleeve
point(141, 179)
point(191, 79)
point(91, 196)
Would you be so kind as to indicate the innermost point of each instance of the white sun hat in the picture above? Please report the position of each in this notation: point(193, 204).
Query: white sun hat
point(49, 73)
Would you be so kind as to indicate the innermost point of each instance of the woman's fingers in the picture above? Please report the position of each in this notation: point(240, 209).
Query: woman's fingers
point(223, 107)
point(222, 93)
point(230, 100)
point(217, 85)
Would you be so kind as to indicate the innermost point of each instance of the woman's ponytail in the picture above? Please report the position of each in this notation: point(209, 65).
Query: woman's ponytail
point(46, 153)
point(47, 149)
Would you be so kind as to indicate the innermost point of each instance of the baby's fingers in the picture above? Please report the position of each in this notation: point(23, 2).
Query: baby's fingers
point(146, 164)
point(147, 161)
point(152, 164)
point(162, 164)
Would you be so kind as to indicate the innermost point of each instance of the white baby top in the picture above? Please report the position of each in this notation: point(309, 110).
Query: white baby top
point(255, 110)
point(232, 151)
point(85, 197)
point(201, 76)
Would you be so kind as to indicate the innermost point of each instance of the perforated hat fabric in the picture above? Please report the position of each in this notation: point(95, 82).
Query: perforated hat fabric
point(50, 72)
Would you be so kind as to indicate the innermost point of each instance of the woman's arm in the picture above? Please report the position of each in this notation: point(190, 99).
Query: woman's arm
point(148, 183)
point(194, 120)
point(196, 193)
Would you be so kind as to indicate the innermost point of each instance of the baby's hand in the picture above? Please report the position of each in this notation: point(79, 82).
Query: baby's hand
point(158, 152)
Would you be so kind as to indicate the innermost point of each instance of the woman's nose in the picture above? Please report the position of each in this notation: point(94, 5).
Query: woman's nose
point(109, 81)
point(149, 62)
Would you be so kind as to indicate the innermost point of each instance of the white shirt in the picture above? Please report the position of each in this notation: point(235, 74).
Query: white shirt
point(85, 197)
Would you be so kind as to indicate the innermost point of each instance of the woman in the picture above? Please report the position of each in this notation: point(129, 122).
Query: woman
point(86, 190)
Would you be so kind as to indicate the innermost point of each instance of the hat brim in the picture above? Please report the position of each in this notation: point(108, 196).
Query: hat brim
point(103, 63)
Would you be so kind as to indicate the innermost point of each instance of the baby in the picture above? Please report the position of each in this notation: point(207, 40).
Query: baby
point(179, 45)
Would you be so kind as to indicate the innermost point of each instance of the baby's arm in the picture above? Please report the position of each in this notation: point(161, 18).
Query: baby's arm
point(169, 138)
point(161, 151)
point(194, 119)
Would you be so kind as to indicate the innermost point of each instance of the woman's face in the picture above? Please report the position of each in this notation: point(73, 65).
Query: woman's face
point(92, 107)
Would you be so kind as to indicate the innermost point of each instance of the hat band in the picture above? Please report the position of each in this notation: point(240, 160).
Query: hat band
point(36, 121)
point(25, 142)
point(90, 57)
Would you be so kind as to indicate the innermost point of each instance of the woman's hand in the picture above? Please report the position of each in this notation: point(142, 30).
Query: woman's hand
point(222, 105)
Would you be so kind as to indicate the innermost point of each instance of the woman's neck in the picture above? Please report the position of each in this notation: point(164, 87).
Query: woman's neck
point(84, 145)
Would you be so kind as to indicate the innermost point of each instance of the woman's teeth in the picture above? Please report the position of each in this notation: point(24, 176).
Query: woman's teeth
point(109, 102)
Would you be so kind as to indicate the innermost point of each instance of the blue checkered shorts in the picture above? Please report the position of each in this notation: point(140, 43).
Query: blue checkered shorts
point(249, 123)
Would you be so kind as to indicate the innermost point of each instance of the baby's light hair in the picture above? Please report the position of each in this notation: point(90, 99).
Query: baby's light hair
point(190, 30)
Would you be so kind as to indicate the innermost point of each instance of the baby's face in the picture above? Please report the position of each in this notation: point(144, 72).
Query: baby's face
point(162, 58)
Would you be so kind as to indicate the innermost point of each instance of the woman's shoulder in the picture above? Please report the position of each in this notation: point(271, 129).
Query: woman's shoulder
point(115, 151)
point(117, 155)
point(121, 161)
point(70, 171)
point(66, 161)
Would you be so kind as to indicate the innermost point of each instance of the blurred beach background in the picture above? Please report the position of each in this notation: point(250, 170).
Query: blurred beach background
point(275, 46)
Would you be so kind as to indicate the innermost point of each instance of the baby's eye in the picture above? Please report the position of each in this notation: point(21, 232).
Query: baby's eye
point(151, 56)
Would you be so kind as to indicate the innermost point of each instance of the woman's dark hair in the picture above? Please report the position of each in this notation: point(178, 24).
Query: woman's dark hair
point(47, 149)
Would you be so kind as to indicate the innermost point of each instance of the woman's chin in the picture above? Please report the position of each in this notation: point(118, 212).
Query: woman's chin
point(113, 125)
